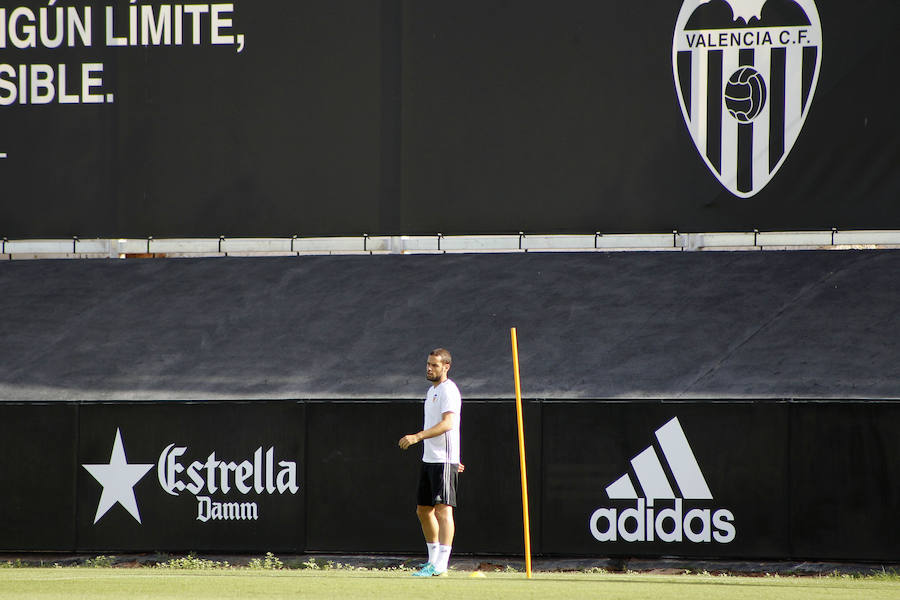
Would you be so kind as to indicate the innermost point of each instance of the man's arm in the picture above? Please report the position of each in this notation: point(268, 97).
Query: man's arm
point(447, 422)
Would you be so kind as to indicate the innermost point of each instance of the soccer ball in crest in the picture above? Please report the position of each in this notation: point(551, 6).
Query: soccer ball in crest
point(745, 94)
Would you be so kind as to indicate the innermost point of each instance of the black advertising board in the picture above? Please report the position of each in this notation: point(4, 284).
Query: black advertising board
point(760, 480)
point(490, 517)
point(324, 117)
point(592, 116)
point(845, 492)
point(354, 461)
point(37, 475)
point(657, 478)
point(242, 118)
point(184, 476)
point(364, 495)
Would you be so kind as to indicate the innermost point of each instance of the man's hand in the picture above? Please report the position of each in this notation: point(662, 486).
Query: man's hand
point(408, 440)
point(461, 468)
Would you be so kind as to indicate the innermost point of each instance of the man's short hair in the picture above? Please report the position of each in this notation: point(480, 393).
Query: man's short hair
point(442, 354)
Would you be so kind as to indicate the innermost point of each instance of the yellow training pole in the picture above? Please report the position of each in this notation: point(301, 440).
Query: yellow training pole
point(515, 353)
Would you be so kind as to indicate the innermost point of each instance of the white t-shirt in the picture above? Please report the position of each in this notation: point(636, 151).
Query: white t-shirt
point(445, 447)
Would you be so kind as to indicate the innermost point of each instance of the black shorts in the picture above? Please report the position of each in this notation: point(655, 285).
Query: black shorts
point(437, 484)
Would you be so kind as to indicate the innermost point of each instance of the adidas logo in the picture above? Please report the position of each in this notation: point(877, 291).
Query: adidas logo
point(648, 521)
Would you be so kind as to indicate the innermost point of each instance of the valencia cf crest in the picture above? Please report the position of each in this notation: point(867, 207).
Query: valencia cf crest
point(746, 73)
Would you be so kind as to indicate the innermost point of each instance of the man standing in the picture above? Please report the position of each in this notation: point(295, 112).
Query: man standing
point(440, 463)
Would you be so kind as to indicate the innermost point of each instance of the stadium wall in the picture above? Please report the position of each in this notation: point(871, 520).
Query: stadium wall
point(749, 479)
point(351, 117)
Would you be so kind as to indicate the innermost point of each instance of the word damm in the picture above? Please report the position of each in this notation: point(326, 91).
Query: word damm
point(207, 510)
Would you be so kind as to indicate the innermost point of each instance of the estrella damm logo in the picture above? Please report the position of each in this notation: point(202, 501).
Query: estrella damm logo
point(746, 73)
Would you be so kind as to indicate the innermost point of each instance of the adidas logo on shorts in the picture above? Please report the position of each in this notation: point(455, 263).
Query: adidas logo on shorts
point(659, 513)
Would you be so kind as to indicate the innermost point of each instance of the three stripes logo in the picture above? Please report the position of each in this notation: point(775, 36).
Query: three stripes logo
point(651, 520)
point(746, 73)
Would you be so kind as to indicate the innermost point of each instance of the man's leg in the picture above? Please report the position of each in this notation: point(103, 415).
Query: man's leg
point(430, 525)
point(443, 517)
point(430, 530)
point(446, 528)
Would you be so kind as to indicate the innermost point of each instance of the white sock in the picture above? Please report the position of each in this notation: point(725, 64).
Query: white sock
point(443, 559)
point(432, 551)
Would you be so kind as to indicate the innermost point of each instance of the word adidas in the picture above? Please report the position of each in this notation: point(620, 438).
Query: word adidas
point(648, 521)
point(669, 525)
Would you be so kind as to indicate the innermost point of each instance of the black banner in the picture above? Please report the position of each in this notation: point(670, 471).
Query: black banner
point(490, 516)
point(365, 497)
point(37, 475)
point(728, 479)
point(330, 117)
point(698, 479)
point(206, 476)
point(845, 496)
point(356, 462)
point(191, 120)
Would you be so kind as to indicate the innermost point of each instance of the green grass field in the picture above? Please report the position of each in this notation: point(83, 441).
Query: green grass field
point(147, 583)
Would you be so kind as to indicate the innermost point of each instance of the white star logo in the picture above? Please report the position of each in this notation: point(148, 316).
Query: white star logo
point(118, 479)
